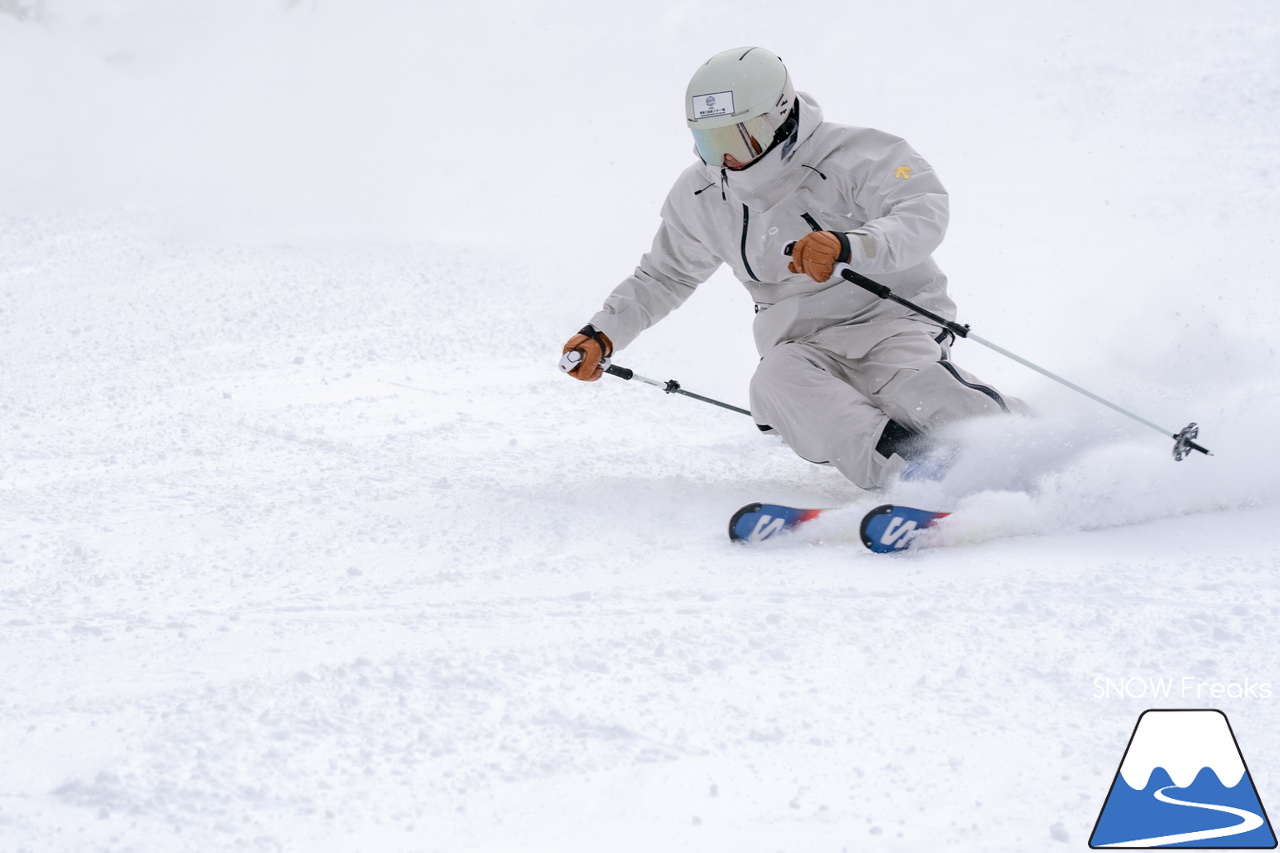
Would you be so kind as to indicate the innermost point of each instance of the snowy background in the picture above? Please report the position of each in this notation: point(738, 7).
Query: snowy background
point(305, 545)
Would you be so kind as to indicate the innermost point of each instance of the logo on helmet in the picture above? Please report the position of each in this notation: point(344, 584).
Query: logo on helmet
point(712, 105)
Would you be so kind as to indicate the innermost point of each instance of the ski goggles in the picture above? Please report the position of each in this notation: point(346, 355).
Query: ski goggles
point(745, 142)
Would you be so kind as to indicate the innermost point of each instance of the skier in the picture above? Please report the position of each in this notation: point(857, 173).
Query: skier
point(783, 198)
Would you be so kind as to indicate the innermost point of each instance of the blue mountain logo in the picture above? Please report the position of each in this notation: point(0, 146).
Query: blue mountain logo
point(1183, 783)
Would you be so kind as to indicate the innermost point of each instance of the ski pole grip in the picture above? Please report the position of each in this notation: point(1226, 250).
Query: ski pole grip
point(571, 359)
point(865, 283)
point(883, 292)
point(620, 372)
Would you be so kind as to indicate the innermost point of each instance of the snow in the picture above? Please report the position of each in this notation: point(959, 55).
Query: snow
point(305, 545)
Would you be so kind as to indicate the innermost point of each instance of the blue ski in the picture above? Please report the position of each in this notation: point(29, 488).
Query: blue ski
point(758, 522)
point(884, 529)
point(890, 528)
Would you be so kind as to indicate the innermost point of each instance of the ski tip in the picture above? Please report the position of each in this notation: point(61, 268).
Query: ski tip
point(757, 522)
point(883, 509)
point(749, 509)
point(889, 528)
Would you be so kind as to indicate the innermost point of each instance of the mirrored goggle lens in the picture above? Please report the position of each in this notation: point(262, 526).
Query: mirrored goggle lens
point(745, 141)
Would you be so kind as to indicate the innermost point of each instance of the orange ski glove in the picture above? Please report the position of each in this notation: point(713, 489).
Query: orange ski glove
point(595, 347)
point(817, 254)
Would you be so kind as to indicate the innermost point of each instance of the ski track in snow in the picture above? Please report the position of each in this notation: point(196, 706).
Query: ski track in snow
point(296, 589)
point(305, 545)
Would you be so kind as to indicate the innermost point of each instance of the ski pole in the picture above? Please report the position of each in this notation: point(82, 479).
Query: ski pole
point(571, 359)
point(670, 386)
point(1183, 440)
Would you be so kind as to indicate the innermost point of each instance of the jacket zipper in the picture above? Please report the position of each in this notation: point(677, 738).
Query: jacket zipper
point(746, 221)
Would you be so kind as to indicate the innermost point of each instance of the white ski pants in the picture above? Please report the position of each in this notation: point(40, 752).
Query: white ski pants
point(861, 414)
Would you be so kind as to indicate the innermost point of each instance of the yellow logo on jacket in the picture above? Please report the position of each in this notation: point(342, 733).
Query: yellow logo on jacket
point(903, 172)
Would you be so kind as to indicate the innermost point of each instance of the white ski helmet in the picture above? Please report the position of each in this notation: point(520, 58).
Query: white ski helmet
point(739, 105)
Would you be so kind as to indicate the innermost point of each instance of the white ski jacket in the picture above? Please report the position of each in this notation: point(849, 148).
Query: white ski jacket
point(869, 184)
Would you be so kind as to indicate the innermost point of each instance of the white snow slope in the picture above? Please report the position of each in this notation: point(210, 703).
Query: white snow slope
point(305, 545)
